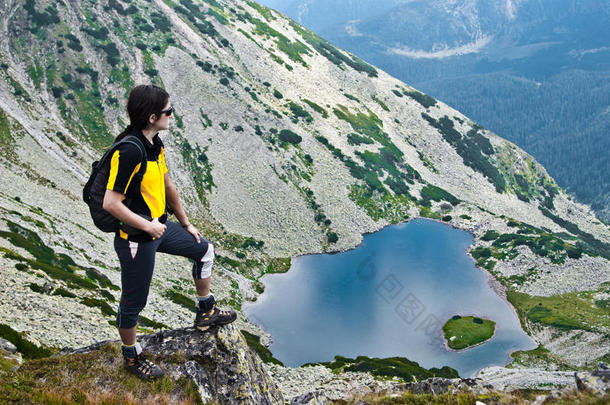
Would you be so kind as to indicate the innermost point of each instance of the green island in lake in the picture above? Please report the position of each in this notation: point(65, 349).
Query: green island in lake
point(464, 332)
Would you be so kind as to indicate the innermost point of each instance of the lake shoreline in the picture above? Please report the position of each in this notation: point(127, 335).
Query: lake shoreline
point(467, 241)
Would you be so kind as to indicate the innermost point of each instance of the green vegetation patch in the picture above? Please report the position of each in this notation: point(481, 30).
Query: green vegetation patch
point(544, 245)
point(589, 243)
point(333, 54)
point(254, 342)
point(294, 50)
point(355, 139)
point(41, 19)
point(389, 367)
point(7, 141)
point(102, 305)
point(142, 320)
point(464, 332)
point(517, 396)
point(56, 265)
point(299, 112)
point(179, 298)
point(27, 349)
point(425, 100)
point(97, 377)
point(264, 11)
point(490, 235)
point(288, 136)
point(539, 357)
point(394, 208)
point(473, 148)
point(199, 165)
point(576, 310)
point(389, 159)
point(430, 192)
point(316, 108)
point(381, 104)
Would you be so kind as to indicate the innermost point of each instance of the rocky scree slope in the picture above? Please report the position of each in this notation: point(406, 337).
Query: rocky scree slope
point(282, 145)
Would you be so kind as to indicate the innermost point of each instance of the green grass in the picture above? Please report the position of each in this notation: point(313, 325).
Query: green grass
point(393, 208)
point(7, 140)
point(254, 342)
point(27, 349)
point(381, 103)
point(333, 54)
point(516, 397)
point(473, 148)
point(56, 265)
point(400, 367)
point(199, 166)
point(578, 310)
point(425, 100)
point(316, 108)
point(430, 192)
point(538, 357)
point(589, 243)
point(179, 298)
point(97, 377)
point(294, 50)
point(468, 330)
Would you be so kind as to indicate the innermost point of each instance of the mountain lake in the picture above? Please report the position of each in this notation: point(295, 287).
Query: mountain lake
point(388, 297)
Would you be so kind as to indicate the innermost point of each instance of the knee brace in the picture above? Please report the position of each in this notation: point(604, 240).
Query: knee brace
point(202, 268)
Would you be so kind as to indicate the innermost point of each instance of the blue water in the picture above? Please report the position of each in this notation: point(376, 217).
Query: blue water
point(388, 297)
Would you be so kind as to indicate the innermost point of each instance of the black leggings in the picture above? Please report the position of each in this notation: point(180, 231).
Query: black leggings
point(138, 260)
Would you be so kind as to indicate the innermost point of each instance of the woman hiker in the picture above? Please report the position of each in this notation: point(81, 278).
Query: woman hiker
point(148, 230)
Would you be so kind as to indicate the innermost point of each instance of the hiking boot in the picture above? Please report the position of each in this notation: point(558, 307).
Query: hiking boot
point(137, 364)
point(209, 314)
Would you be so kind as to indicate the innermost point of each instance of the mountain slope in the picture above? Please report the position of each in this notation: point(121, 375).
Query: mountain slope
point(282, 145)
point(542, 65)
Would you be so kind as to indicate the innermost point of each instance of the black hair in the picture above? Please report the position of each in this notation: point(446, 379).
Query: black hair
point(144, 100)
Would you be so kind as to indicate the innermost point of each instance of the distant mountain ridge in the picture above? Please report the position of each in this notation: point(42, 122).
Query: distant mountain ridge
point(543, 65)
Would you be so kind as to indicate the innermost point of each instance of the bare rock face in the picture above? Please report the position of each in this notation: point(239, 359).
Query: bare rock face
point(218, 361)
point(596, 382)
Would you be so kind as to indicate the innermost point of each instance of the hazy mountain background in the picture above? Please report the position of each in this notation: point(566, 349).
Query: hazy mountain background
point(537, 72)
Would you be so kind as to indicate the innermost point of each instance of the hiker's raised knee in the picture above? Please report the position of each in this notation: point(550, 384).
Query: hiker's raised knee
point(203, 267)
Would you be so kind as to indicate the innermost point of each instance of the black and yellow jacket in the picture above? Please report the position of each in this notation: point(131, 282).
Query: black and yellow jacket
point(124, 164)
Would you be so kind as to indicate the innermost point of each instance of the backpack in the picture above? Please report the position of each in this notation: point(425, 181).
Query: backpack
point(95, 188)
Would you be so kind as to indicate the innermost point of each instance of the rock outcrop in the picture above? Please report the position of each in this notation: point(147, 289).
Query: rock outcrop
point(596, 382)
point(561, 386)
point(218, 361)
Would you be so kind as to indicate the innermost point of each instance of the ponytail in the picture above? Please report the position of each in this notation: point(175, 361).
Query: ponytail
point(123, 134)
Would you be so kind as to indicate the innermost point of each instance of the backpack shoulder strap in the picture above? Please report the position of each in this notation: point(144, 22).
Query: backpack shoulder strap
point(134, 140)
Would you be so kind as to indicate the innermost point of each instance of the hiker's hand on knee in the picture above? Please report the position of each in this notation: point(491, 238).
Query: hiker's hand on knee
point(156, 228)
point(193, 231)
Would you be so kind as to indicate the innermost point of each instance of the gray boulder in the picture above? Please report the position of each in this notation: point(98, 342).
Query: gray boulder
point(596, 382)
point(218, 361)
point(7, 346)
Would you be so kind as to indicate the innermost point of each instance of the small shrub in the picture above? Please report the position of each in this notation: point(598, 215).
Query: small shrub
point(287, 135)
point(21, 266)
point(333, 237)
point(477, 321)
point(277, 94)
point(490, 235)
point(224, 81)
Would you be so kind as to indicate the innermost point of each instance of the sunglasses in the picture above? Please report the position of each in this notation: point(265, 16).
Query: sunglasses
point(167, 112)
